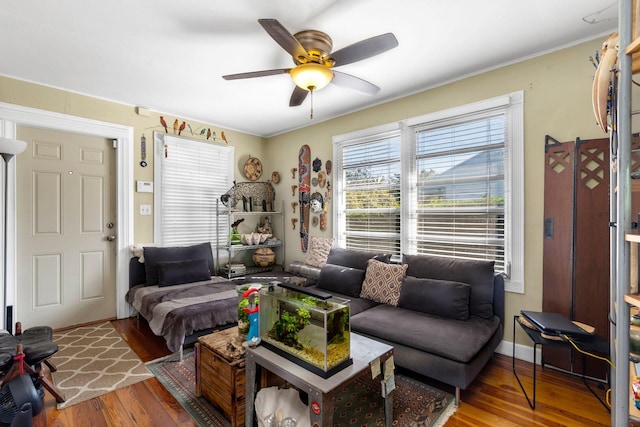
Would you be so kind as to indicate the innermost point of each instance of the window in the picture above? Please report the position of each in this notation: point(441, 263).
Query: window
point(190, 176)
point(446, 184)
point(370, 195)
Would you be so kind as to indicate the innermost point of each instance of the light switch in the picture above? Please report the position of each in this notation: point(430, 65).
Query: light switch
point(145, 209)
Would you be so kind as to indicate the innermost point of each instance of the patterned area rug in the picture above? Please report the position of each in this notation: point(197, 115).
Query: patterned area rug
point(94, 360)
point(414, 404)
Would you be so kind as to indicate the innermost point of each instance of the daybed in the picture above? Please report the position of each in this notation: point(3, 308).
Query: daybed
point(173, 289)
point(444, 317)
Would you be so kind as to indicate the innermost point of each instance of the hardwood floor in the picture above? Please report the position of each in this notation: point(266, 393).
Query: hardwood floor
point(493, 399)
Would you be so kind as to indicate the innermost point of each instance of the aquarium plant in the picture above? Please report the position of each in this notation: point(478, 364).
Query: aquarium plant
point(286, 328)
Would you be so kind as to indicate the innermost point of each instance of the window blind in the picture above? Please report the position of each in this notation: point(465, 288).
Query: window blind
point(369, 192)
point(460, 195)
point(193, 176)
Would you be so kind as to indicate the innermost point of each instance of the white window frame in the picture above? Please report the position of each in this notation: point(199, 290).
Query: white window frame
point(224, 178)
point(514, 178)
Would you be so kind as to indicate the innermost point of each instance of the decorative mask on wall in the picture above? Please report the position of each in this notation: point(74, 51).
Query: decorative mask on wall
point(316, 202)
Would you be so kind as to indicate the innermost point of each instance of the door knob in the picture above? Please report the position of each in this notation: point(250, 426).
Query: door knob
point(111, 238)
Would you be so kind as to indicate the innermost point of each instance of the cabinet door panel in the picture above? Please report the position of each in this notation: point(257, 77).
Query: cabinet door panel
point(557, 272)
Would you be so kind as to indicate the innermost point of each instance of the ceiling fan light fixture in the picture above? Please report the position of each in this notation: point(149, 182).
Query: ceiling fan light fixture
point(311, 76)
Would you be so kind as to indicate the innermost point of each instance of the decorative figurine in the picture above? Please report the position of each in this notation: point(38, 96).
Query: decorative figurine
point(265, 226)
point(253, 336)
point(164, 124)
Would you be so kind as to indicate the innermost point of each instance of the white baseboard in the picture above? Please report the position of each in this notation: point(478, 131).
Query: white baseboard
point(522, 352)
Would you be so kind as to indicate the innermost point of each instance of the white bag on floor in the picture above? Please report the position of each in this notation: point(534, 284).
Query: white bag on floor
point(283, 402)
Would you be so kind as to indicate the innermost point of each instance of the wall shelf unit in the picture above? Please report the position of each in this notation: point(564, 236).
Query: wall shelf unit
point(224, 248)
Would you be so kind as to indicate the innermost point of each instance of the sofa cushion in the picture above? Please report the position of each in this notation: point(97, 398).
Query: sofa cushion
point(382, 282)
point(155, 255)
point(438, 297)
point(478, 274)
point(354, 258)
point(338, 278)
point(458, 340)
point(318, 252)
point(177, 272)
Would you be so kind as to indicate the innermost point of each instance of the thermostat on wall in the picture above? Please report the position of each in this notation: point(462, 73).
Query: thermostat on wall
point(145, 187)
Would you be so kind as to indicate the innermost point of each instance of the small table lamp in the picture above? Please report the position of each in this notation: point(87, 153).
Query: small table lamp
point(8, 148)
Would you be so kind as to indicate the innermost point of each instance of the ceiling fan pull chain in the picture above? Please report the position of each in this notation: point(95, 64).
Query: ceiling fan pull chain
point(311, 90)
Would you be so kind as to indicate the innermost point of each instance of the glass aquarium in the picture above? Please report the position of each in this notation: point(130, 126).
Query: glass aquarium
point(308, 327)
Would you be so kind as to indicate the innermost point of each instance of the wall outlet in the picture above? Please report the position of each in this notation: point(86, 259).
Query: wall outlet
point(145, 209)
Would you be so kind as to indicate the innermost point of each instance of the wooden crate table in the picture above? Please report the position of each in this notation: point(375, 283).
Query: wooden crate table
point(219, 359)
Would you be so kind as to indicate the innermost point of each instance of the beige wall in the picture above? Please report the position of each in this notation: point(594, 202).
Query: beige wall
point(557, 101)
point(36, 96)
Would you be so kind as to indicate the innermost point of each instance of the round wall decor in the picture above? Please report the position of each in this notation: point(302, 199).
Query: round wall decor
point(253, 168)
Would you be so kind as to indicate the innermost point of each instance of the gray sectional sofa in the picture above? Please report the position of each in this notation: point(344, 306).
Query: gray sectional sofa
point(446, 321)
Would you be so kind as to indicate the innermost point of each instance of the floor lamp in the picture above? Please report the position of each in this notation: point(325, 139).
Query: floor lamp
point(8, 149)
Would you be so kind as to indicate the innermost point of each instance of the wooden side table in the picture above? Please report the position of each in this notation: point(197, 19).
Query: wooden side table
point(220, 375)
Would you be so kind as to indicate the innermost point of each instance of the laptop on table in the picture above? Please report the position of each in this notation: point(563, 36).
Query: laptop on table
point(553, 323)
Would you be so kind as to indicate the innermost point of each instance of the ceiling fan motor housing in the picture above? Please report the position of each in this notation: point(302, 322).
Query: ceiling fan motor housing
point(318, 46)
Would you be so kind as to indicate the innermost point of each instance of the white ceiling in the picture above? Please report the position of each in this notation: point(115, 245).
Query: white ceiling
point(169, 56)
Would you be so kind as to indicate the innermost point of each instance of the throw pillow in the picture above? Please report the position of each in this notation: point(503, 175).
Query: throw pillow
point(478, 274)
point(318, 252)
point(341, 279)
point(178, 272)
point(438, 297)
point(155, 255)
point(382, 282)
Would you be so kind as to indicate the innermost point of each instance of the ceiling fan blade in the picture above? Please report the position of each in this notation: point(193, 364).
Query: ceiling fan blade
point(354, 83)
point(284, 38)
point(253, 74)
point(365, 49)
point(298, 96)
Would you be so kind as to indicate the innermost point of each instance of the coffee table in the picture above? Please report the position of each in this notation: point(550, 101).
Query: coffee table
point(367, 355)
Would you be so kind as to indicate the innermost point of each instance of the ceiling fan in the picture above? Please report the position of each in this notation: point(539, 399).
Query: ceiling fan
point(315, 63)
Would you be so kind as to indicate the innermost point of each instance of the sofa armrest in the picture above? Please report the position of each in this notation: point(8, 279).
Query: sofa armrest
point(498, 296)
point(304, 270)
point(137, 272)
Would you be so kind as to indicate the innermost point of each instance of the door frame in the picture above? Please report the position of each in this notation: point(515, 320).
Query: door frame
point(11, 116)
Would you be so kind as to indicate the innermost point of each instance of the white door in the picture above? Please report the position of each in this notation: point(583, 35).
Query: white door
point(65, 226)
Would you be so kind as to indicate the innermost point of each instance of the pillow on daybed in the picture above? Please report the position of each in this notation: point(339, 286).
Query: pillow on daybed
point(178, 272)
point(318, 252)
point(354, 258)
point(438, 297)
point(478, 274)
point(155, 255)
point(382, 282)
point(341, 279)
